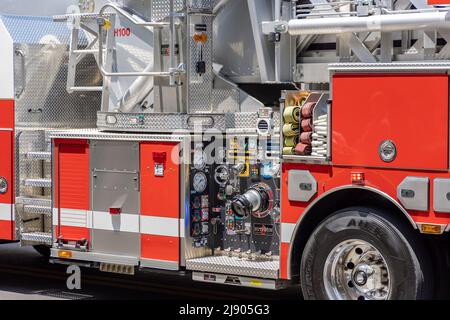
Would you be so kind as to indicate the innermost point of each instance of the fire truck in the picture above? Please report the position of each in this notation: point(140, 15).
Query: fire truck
point(258, 143)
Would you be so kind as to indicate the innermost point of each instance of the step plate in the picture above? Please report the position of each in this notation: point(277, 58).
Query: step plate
point(34, 201)
point(235, 266)
point(40, 237)
point(43, 183)
point(37, 210)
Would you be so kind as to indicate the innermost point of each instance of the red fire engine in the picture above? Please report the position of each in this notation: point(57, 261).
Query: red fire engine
point(251, 143)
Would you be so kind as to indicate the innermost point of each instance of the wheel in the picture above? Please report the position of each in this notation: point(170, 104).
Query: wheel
point(364, 254)
point(43, 250)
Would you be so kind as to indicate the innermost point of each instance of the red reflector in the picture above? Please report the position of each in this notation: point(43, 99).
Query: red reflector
point(115, 210)
point(357, 177)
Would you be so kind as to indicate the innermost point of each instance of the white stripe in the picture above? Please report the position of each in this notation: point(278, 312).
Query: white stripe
point(182, 227)
point(160, 226)
point(124, 222)
point(6, 211)
point(71, 218)
point(287, 229)
point(115, 222)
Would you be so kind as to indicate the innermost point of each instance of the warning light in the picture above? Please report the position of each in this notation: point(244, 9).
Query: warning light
point(64, 254)
point(107, 24)
point(200, 37)
point(431, 228)
point(357, 178)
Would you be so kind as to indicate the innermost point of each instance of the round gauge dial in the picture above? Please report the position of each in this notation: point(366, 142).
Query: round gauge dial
point(200, 182)
point(199, 160)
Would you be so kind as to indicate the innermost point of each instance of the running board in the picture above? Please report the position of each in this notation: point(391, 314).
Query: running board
point(268, 269)
point(234, 280)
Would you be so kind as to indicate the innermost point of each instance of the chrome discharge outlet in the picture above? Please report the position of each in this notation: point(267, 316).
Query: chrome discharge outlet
point(253, 200)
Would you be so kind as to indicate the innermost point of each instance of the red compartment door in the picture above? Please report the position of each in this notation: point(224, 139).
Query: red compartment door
point(160, 204)
point(409, 109)
point(6, 172)
point(71, 189)
point(7, 168)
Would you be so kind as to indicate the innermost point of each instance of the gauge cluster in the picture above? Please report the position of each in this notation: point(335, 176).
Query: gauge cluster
point(235, 203)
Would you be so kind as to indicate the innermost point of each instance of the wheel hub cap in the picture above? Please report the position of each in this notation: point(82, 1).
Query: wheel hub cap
point(356, 270)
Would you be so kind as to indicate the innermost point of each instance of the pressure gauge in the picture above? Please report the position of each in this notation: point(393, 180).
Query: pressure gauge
point(199, 160)
point(200, 182)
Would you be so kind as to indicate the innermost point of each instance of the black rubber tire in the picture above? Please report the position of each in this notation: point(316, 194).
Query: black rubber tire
point(43, 250)
point(399, 244)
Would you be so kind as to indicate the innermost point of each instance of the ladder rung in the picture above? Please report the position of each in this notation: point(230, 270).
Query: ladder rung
point(85, 89)
point(87, 51)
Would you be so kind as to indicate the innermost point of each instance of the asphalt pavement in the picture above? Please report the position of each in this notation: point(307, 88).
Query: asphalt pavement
point(26, 275)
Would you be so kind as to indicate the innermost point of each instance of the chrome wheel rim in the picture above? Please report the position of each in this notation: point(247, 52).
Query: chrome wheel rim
point(356, 270)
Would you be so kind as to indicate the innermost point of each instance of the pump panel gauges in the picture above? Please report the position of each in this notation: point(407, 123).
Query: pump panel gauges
point(200, 182)
point(199, 159)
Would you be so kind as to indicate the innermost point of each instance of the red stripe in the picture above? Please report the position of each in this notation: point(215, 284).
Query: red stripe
point(160, 247)
point(7, 163)
point(6, 230)
point(75, 233)
point(284, 253)
point(7, 114)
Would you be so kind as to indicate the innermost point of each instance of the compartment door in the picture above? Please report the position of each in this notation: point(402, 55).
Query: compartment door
point(374, 114)
point(115, 198)
point(160, 205)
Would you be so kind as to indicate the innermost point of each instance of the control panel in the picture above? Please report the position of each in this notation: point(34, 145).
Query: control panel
point(235, 196)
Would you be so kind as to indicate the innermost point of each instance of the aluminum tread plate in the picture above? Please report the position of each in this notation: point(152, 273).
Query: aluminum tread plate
point(168, 122)
point(41, 237)
point(37, 210)
point(34, 201)
point(235, 266)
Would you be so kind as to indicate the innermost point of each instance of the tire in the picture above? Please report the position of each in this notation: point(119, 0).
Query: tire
point(43, 250)
point(363, 253)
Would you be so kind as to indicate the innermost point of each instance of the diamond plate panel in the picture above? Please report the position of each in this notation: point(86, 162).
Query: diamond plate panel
point(40, 237)
point(45, 101)
point(40, 75)
point(161, 8)
point(235, 266)
point(201, 4)
point(200, 86)
point(225, 100)
point(159, 122)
